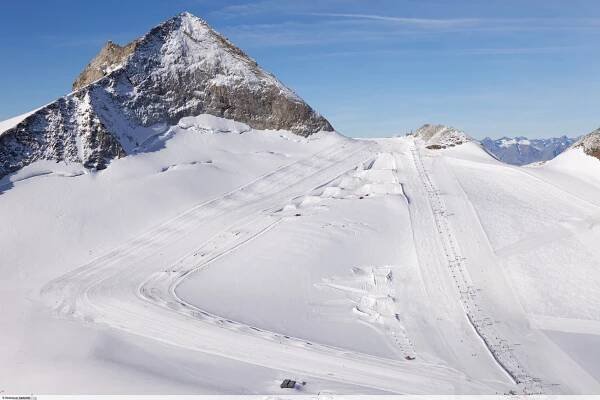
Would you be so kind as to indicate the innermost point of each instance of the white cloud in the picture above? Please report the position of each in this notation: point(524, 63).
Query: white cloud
point(415, 22)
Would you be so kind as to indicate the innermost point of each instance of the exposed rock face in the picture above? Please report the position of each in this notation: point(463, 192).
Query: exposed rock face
point(111, 57)
point(67, 129)
point(127, 94)
point(441, 136)
point(521, 151)
point(590, 144)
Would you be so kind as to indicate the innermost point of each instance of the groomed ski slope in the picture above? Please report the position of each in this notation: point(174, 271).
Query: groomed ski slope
point(354, 266)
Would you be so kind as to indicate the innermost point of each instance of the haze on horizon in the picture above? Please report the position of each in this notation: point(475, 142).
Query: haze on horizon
point(373, 69)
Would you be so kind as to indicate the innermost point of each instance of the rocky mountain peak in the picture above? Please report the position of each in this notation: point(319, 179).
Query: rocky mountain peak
point(180, 68)
point(186, 68)
point(113, 56)
point(441, 136)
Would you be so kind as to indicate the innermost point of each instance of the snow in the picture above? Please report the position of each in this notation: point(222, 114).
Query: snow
point(318, 282)
point(578, 165)
point(211, 122)
point(582, 347)
point(359, 267)
point(12, 122)
point(506, 142)
point(90, 213)
point(197, 46)
point(541, 236)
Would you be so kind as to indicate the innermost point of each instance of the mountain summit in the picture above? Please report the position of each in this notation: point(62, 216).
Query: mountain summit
point(128, 94)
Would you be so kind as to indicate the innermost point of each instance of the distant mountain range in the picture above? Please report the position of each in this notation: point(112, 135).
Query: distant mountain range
point(521, 151)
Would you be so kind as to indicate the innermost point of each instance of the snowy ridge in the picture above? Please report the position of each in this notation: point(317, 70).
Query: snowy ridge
point(181, 68)
point(12, 122)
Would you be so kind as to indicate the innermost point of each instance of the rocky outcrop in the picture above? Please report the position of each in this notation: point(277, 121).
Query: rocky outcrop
point(440, 136)
point(111, 57)
point(590, 144)
point(67, 129)
point(180, 68)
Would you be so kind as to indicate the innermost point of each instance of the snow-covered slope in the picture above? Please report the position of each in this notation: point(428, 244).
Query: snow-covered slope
point(58, 216)
point(521, 151)
point(577, 168)
point(129, 94)
point(377, 266)
point(537, 226)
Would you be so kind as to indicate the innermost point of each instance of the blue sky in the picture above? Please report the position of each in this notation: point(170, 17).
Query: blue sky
point(373, 68)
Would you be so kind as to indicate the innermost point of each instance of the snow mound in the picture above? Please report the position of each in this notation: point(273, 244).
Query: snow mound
point(576, 164)
point(375, 178)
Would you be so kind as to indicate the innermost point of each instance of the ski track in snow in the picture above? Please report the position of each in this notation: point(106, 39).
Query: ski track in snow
point(482, 323)
point(124, 290)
